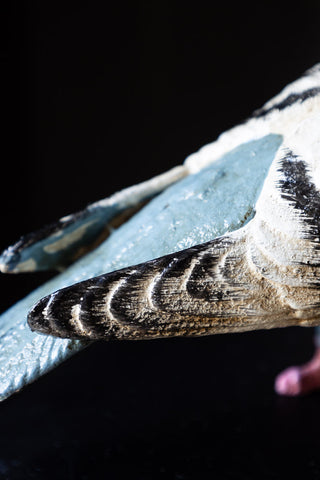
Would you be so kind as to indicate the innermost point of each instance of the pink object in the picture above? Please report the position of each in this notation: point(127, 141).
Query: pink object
point(300, 380)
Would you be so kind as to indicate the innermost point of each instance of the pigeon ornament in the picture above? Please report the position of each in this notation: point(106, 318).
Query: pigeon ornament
point(226, 242)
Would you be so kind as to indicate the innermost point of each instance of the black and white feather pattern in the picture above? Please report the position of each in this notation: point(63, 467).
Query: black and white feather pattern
point(265, 275)
point(262, 276)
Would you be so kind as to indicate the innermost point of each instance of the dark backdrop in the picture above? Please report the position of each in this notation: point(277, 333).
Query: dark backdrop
point(98, 97)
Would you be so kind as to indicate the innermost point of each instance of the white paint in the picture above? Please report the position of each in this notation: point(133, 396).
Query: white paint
point(150, 288)
point(133, 195)
point(281, 122)
point(46, 310)
point(29, 265)
point(75, 320)
point(67, 240)
point(26, 355)
point(111, 293)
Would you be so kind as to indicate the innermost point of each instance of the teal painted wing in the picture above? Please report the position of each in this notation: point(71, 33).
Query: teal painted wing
point(218, 195)
point(57, 245)
point(183, 215)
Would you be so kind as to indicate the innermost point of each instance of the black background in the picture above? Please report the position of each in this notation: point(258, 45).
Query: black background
point(96, 98)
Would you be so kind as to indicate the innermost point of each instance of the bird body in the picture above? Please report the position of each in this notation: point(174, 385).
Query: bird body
point(263, 275)
point(219, 250)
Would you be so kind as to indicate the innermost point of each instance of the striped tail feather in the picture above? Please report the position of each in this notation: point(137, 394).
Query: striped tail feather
point(263, 275)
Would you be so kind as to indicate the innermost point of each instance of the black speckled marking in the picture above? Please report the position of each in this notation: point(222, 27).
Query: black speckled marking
point(297, 187)
point(287, 102)
point(197, 286)
point(37, 321)
point(126, 297)
point(176, 267)
point(89, 294)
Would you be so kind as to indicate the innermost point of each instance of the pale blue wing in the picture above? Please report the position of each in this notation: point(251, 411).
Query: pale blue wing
point(200, 207)
point(57, 245)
